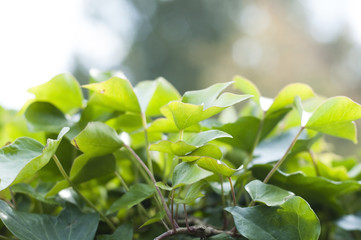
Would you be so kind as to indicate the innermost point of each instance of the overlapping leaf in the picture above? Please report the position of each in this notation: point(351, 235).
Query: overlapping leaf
point(116, 93)
point(24, 157)
point(63, 91)
point(70, 224)
point(188, 173)
point(97, 139)
point(293, 219)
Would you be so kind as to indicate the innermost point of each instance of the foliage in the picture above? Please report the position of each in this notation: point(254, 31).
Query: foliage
point(145, 162)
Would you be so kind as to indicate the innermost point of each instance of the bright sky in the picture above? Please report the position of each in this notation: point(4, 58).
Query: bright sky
point(38, 37)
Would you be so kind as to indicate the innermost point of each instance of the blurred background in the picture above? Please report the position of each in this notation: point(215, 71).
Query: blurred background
point(191, 43)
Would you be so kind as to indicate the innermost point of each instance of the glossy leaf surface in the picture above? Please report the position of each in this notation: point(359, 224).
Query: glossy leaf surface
point(188, 173)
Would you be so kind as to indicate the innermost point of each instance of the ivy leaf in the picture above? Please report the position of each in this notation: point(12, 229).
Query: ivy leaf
point(267, 194)
point(192, 194)
point(153, 95)
point(216, 166)
point(127, 122)
point(316, 190)
point(97, 139)
point(287, 95)
point(116, 93)
point(43, 116)
point(156, 218)
point(178, 148)
point(124, 232)
point(63, 91)
point(24, 157)
point(243, 132)
point(335, 116)
point(165, 125)
point(136, 194)
point(34, 193)
point(204, 137)
point(205, 97)
point(188, 173)
point(208, 150)
point(247, 87)
point(294, 219)
point(70, 224)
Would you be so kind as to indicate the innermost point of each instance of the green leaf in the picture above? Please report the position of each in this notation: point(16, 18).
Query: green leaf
point(17, 127)
point(153, 95)
point(205, 97)
point(34, 193)
point(178, 148)
point(267, 194)
point(63, 91)
point(315, 190)
point(164, 186)
point(216, 166)
point(165, 125)
point(24, 157)
point(188, 173)
point(294, 219)
point(247, 87)
point(97, 139)
point(202, 138)
point(70, 224)
point(116, 93)
point(243, 132)
point(208, 150)
point(123, 232)
point(287, 95)
point(335, 116)
point(351, 222)
point(156, 218)
point(192, 194)
point(136, 194)
point(43, 116)
point(127, 122)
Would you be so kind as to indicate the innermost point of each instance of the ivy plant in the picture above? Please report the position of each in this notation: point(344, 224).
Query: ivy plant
point(145, 162)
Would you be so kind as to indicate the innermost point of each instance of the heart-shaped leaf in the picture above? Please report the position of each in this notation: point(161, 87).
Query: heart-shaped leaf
point(294, 219)
point(188, 173)
point(97, 139)
point(247, 87)
point(204, 137)
point(335, 116)
point(267, 194)
point(43, 116)
point(70, 224)
point(116, 93)
point(63, 91)
point(24, 157)
point(192, 194)
point(153, 95)
point(178, 148)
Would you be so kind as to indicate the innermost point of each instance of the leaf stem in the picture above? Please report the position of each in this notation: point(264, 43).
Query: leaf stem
point(232, 190)
point(149, 159)
point(168, 214)
point(278, 164)
point(223, 203)
point(312, 155)
point(67, 178)
point(121, 180)
point(12, 197)
point(181, 133)
point(186, 216)
point(172, 210)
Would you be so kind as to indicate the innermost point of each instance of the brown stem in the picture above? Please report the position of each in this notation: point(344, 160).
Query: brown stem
point(278, 164)
point(186, 217)
point(197, 231)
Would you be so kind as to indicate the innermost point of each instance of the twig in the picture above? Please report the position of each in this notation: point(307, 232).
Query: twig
point(197, 231)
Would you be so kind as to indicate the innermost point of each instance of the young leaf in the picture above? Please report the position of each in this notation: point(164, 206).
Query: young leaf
point(335, 116)
point(70, 224)
point(63, 91)
point(165, 125)
point(208, 150)
point(247, 87)
point(178, 148)
point(287, 95)
point(294, 219)
point(156, 218)
point(43, 116)
point(188, 173)
point(24, 157)
point(116, 93)
point(315, 190)
point(123, 232)
point(267, 194)
point(205, 97)
point(153, 95)
point(136, 194)
point(192, 194)
point(202, 138)
point(97, 139)
point(216, 166)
